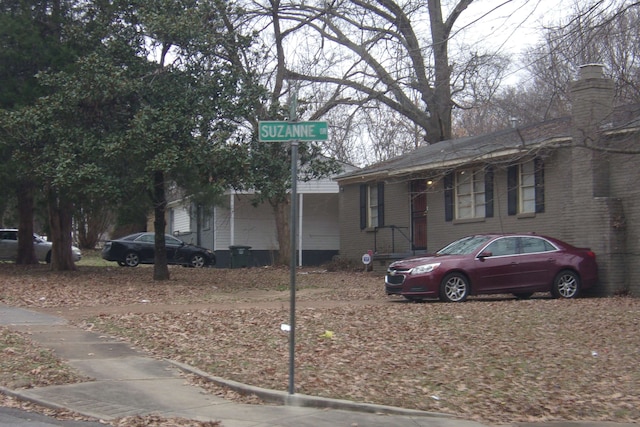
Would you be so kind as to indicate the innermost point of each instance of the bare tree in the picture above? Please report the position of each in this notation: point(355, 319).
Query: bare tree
point(384, 58)
point(603, 32)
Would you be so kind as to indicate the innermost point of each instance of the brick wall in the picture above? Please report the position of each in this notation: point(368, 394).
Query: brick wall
point(355, 242)
point(592, 199)
point(597, 211)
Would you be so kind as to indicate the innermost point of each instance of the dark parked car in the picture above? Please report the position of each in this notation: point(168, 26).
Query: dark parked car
point(495, 263)
point(139, 248)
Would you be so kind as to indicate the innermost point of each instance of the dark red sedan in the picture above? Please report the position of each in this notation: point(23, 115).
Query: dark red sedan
point(495, 263)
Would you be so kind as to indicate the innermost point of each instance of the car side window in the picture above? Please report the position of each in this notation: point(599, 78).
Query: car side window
point(173, 241)
point(9, 235)
point(146, 238)
point(502, 247)
point(532, 245)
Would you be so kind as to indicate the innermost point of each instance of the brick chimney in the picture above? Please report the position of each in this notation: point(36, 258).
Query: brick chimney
point(592, 104)
point(592, 210)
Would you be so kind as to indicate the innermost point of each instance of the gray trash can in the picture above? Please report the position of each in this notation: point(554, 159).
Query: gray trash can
point(240, 256)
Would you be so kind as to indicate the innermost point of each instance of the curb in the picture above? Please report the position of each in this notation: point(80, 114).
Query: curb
point(306, 401)
point(45, 403)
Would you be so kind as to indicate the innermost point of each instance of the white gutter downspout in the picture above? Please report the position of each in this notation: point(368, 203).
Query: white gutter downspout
point(300, 211)
point(232, 222)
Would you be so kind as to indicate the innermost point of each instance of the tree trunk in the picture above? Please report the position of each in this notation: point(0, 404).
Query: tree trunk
point(160, 266)
point(282, 213)
point(440, 105)
point(60, 222)
point(26, 250)
point(91, 224)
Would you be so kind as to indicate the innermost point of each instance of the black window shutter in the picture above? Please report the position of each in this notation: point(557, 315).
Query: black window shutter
point(448, 197)
point(380, 204)
point(512, 189)
point(539, 180)
point(488, 192)
point(363, 206)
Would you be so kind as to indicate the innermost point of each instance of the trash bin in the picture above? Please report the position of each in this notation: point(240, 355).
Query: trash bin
point(239, 256)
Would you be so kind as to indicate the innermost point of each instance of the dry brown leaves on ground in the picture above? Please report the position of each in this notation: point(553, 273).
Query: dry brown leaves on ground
point(136, 421)
point(489, 359)
point(158, 421)
point(25, 365)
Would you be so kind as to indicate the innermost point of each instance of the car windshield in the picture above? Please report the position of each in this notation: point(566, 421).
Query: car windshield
point(464, 246)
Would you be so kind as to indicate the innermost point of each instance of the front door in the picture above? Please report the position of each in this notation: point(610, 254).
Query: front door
point(419, 214)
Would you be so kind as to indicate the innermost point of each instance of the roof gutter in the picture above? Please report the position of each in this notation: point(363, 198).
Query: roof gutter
point(450, 164)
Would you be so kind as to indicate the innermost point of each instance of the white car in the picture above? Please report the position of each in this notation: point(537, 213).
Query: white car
point(9, 246)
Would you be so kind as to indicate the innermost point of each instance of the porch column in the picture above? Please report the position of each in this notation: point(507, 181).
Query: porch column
point(300, 216)
point(232, 222)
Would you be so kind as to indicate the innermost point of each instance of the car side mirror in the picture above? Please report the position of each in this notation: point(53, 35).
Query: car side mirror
point(483, 255)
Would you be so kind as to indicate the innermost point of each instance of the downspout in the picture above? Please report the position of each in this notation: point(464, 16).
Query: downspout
point(232, 221)
point(300, 211)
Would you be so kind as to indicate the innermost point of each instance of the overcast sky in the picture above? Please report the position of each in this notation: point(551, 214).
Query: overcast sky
point(513, 25)
point(509, 26)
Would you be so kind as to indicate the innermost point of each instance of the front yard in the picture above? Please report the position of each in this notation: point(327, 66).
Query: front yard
point(496, 360)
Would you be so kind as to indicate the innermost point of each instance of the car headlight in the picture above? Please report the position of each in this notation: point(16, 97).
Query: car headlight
point(427, 268)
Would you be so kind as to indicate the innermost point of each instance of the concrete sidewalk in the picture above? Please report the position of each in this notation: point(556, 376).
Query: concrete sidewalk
point(128, 382)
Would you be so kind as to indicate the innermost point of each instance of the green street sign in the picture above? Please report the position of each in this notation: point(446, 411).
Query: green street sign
point(292, 131)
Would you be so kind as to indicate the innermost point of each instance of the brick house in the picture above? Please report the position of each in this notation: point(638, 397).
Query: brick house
point(575, 178)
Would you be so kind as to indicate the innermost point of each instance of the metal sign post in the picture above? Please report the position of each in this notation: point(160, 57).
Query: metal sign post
point(292, 263)
point(294, 132)
point(293, 106)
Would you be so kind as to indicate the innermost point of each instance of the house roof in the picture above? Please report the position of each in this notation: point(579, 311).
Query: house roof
point(500, 146)
point(625, 118)
point(493, 147)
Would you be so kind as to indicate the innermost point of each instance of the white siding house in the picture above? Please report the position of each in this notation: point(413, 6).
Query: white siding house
point(237, 222)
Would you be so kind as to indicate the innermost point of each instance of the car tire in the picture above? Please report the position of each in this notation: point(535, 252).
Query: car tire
point(566, 285)
point(454, 287)
point(131, 259)
point(523, 295)
point(47, 258)
point(197, 261)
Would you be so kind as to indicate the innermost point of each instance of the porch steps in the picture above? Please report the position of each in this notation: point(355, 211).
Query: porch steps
point(381, 262)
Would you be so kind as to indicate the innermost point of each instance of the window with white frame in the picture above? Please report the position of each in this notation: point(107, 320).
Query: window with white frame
point(470, 200)
point(371, 205)
point(372, 220)
point(527, 187)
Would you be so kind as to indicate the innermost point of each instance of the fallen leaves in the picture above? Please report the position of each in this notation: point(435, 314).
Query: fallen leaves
point(410, 355)
point(490, 359)
point(25, 365)
point(158, 421)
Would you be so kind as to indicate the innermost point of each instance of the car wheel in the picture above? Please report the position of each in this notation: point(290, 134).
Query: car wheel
point(523, 295)
point(131, 259)
point(454, 288)
point(197, 260)
point(47, 258)
point(566, 285)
